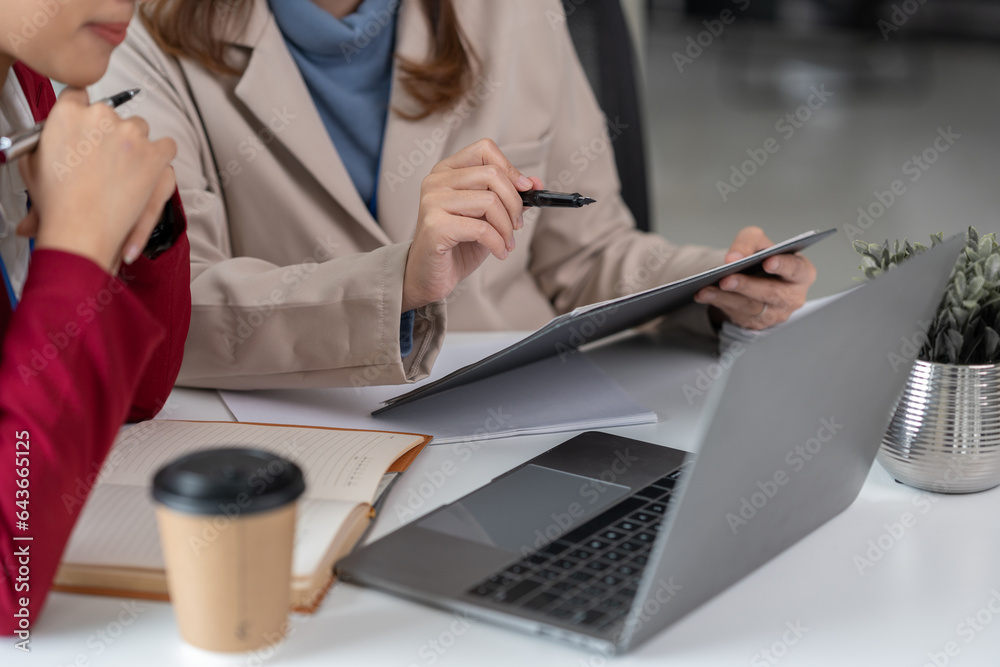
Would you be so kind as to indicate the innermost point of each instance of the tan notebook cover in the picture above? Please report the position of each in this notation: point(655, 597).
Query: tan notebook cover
point(115, 549)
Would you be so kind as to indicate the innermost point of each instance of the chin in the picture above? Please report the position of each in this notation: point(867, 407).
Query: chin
point(82, 74)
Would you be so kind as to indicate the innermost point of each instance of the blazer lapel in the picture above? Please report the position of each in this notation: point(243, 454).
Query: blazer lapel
point(410, 149)
point(275, 93)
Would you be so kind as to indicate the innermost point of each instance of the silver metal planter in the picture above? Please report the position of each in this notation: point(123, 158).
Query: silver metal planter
point(945, 431)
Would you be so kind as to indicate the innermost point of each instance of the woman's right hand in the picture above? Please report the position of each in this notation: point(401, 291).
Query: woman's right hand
point(98, 185)
point(469, 208)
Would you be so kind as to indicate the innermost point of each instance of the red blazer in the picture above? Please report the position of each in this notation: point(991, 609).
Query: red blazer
point(83, 351)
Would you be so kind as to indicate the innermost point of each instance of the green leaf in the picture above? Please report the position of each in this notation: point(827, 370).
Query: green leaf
point(991, 341)
point(953, 345)
point(961, 317)
point(961, 285)
point(965, 326)
point(991, 268)
point(975, 289)
point(985, 246)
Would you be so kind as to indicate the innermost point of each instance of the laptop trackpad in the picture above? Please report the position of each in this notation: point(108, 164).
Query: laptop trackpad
point(524, 510)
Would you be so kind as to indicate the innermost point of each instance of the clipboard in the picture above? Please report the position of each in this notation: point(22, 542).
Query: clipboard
point(566, 333)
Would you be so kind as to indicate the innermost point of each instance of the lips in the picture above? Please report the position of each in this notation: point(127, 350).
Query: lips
point(113, 33)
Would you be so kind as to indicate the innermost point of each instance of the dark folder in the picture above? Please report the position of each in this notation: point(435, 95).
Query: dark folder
point(564, 334)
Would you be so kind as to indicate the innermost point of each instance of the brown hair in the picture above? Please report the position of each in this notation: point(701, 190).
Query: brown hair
point(188, 29)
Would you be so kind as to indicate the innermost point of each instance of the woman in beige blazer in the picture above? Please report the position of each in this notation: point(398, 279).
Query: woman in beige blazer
point(295, 283)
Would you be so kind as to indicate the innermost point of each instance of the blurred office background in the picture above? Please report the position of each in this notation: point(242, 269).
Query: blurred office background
point(901, 74)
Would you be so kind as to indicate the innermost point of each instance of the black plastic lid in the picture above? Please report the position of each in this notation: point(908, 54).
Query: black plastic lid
point(228, 481)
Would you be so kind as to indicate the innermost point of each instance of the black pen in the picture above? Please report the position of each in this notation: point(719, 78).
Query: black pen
point(555, 199)
point(19, 143)
point(166, 231)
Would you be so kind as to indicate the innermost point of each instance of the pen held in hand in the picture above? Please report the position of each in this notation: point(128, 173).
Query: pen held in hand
point(21, 143)
point(547, 198)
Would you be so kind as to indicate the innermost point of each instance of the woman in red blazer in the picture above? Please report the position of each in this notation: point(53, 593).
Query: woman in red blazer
point(91, 332)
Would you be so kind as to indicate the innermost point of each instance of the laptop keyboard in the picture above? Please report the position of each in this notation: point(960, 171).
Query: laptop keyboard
point(590, 575)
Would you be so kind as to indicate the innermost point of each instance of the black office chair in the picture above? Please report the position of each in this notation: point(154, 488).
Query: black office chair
point(605, 48)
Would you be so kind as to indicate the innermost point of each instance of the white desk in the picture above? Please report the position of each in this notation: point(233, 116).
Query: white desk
point(915, 600)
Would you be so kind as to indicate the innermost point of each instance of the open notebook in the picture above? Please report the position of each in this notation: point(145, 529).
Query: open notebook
point(115, 547)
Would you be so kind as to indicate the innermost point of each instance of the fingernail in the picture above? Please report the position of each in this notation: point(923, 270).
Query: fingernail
point(706, 296)
point(511, 245)
point(131, 253)
point(734, 256)
point(773, 264)
point(520, 221)
point(524, 183)
point(729, 283)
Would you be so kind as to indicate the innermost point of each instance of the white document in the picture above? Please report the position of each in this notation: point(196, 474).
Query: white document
point(553, 395)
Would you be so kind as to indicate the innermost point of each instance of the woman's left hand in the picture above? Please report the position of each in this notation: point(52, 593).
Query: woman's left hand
point(759, 302)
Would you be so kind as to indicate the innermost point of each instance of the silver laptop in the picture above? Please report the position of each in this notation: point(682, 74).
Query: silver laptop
point(603, 541)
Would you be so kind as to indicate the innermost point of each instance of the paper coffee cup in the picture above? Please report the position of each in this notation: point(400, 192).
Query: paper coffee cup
point(227, 527)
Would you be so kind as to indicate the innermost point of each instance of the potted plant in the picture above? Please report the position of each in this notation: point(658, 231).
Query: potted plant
point(945, 430)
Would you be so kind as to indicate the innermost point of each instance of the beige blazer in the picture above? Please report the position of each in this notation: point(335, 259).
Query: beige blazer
point(295, 284)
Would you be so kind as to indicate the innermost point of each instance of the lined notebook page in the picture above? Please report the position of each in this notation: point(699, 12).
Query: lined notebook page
point(338, 465)
point(117, 528)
